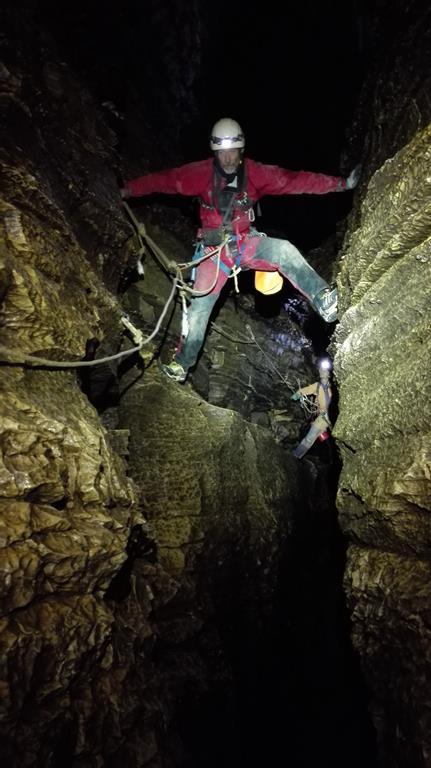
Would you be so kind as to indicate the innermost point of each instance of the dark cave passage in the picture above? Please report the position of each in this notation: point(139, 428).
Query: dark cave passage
point(296, 691)
point(298, 694)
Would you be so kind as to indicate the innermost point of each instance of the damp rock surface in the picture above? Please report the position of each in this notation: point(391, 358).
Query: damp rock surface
point(126, 536)
point(203, 467)
point(382, 364)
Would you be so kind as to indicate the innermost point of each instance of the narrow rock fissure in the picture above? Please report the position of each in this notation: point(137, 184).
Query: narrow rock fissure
point(295, 687)
point(298, 693)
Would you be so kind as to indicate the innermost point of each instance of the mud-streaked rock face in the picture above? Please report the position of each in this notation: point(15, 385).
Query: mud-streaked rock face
point(100, 607)
point(389, 595)
point(382, 364)
point(58, 468)
point(68, 510)
point(208, 477)
point(67, 507)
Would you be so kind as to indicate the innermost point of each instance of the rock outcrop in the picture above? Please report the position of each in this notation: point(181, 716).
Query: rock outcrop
point(382, 364)
point(127, 532)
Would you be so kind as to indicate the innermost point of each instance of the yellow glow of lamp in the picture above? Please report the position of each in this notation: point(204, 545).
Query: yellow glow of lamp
point(268, 282)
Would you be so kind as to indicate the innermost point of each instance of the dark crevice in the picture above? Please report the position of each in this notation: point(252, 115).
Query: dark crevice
point(140, 546)
point(297, 692)
point(297, 689)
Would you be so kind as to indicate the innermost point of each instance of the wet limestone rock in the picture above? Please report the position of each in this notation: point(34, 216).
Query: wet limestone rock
point(382, 364)
point(68, 510)
point(210, 480)
point(102, 612)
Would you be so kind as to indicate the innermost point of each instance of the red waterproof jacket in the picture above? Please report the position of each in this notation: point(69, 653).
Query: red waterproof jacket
point(196, 179)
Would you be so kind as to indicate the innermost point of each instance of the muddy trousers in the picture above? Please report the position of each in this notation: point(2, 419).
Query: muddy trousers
point(266, 254)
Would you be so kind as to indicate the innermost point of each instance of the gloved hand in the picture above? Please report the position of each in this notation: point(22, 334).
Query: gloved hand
point(125, 193)
point(353, 177)
point(295, 396)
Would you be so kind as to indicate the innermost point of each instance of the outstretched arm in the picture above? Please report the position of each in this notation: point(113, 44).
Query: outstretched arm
point(189, 179)
point(273, 180)
point(311, 389)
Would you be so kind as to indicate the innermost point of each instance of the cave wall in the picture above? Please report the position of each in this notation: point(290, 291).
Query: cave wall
point(394, 103)
point(120, 537)
point(382, 364)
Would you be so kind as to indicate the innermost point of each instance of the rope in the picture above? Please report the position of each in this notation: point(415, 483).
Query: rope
point(173, 266)
point(178, 268)
point(140, 228)
point(13, 357)
point(222, 332)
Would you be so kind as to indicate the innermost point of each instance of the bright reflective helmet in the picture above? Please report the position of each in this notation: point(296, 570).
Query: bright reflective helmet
point(227, 134)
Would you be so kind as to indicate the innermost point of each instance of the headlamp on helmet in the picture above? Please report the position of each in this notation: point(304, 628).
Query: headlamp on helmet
point(227, 134)
point(325, 364)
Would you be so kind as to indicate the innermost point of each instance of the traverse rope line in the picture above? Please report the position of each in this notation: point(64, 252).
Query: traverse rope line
point(15, 357)
point(11, 356)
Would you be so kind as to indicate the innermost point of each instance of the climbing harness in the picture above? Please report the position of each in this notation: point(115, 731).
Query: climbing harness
point(234, 270)
point(265, 282)
point(311, 406)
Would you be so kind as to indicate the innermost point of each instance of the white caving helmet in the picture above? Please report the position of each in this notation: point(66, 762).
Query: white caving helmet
point(227, 134)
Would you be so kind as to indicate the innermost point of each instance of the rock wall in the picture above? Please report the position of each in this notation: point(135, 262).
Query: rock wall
point(115, 573)
point(395, 100)
point(382, 362)
point(68, 508)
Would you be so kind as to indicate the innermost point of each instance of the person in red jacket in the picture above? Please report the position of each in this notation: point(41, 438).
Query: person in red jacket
point(228, 186)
